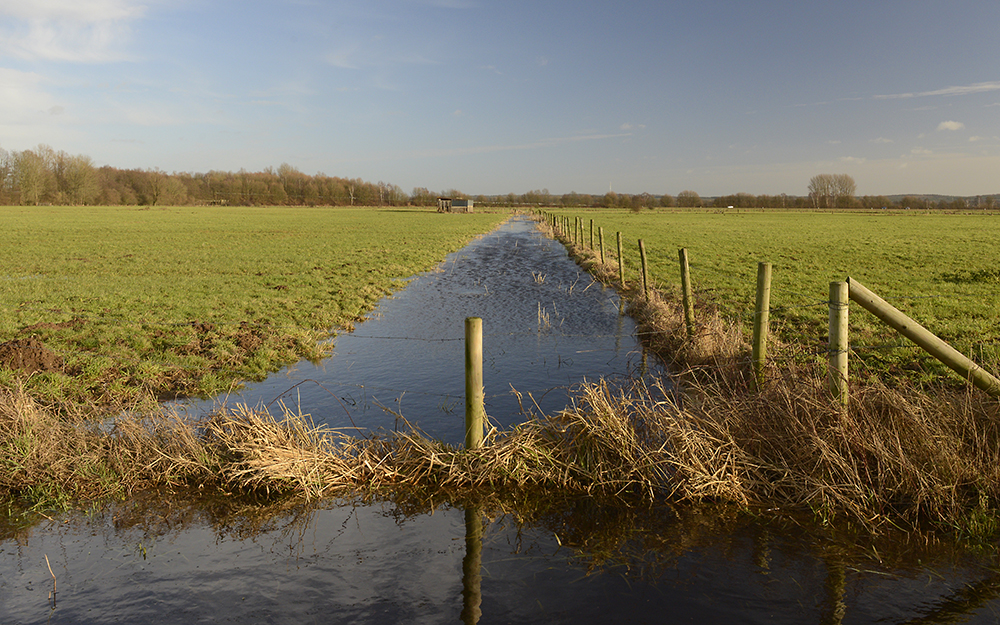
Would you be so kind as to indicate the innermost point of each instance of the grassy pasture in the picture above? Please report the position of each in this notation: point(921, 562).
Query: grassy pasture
point(941, 269)
point(189, 300)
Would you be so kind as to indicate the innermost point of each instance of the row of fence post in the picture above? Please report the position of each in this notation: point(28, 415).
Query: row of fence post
point(839, 296)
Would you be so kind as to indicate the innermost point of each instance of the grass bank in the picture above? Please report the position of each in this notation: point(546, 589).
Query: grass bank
point(938, 268)
point(137, 302)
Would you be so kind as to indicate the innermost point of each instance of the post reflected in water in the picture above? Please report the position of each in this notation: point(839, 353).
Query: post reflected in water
point(834, 607)
point(472, 576)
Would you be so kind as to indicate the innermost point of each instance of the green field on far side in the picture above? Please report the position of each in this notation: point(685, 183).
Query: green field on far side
point(941, 269)
point(191, 299)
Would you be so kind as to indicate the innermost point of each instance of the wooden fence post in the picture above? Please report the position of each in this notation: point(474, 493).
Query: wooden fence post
point(642, 260)
point(591, 234)
point(838, 342)
point(621, 261)
point(600, 241)
point(474, 410)
point(760, 322)
point(686, 290)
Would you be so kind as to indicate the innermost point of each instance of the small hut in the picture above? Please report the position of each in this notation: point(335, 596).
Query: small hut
point(449, 205)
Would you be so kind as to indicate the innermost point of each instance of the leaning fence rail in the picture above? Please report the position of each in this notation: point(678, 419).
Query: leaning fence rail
point(925, 339)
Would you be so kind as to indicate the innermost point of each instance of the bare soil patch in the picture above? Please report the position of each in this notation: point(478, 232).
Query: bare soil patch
point(30, 356)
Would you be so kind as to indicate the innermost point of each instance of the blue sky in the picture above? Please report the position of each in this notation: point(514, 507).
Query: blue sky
point(716, 96)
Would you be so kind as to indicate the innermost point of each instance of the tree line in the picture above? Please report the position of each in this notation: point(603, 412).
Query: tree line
point(45, 176)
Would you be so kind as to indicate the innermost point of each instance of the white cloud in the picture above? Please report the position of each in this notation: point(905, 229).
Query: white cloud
point(80, 31)
point(950, 125)
point(979, 87)
point(852, 159)
point(977, 138)
point(921, 152)
point(21, 97)
point(881, 140)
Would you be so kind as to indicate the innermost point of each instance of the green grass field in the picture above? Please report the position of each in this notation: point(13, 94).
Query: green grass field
point(189, 300)
point(941, 269)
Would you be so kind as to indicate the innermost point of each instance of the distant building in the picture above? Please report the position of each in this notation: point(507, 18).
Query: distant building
point(448, 205)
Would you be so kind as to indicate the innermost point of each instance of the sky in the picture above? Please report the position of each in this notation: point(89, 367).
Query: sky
point(490, 97)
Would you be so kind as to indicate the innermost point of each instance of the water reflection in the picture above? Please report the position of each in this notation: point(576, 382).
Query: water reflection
point(472, 563)
point(567, 561)
point(547, 327)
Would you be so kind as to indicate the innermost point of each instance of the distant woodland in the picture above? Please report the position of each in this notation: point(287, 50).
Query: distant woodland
point(43, 176)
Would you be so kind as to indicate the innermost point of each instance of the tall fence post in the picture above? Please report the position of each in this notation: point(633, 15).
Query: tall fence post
point(686, 290)
point(591, 234)
point(642, 260)
point(474, 410)
point(838, 342)
point(600, 241)
point(621, 261)
point(760, 322)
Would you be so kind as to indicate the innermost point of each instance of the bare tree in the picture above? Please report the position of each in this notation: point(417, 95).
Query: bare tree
point(830, 190)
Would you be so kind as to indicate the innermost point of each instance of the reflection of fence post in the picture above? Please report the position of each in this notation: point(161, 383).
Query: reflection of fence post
point(642, 260)
point(759, 354)
point(924, 338)
point(838, 342)
point(600, 241)
point(621, 261)
point(474, 411)
point(686, 291)
point(472, 567)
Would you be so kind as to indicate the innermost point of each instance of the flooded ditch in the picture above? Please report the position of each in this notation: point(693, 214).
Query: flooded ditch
point(547, 327)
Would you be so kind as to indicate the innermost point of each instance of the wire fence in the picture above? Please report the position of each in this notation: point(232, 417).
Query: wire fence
point(790, 313)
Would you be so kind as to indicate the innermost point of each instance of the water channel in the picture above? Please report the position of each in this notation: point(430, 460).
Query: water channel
point(547, 327)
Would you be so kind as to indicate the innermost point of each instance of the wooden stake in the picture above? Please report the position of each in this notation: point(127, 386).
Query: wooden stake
point(838, 342)
point(474, 410)
point(642, 259)
point(686, 292)
point(760, 322)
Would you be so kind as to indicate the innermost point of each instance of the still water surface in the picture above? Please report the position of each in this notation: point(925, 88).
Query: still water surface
point(547, 326)
point(383, 562)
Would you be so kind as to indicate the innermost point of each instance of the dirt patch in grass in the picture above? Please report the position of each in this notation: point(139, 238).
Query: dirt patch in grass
point(29, 355)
